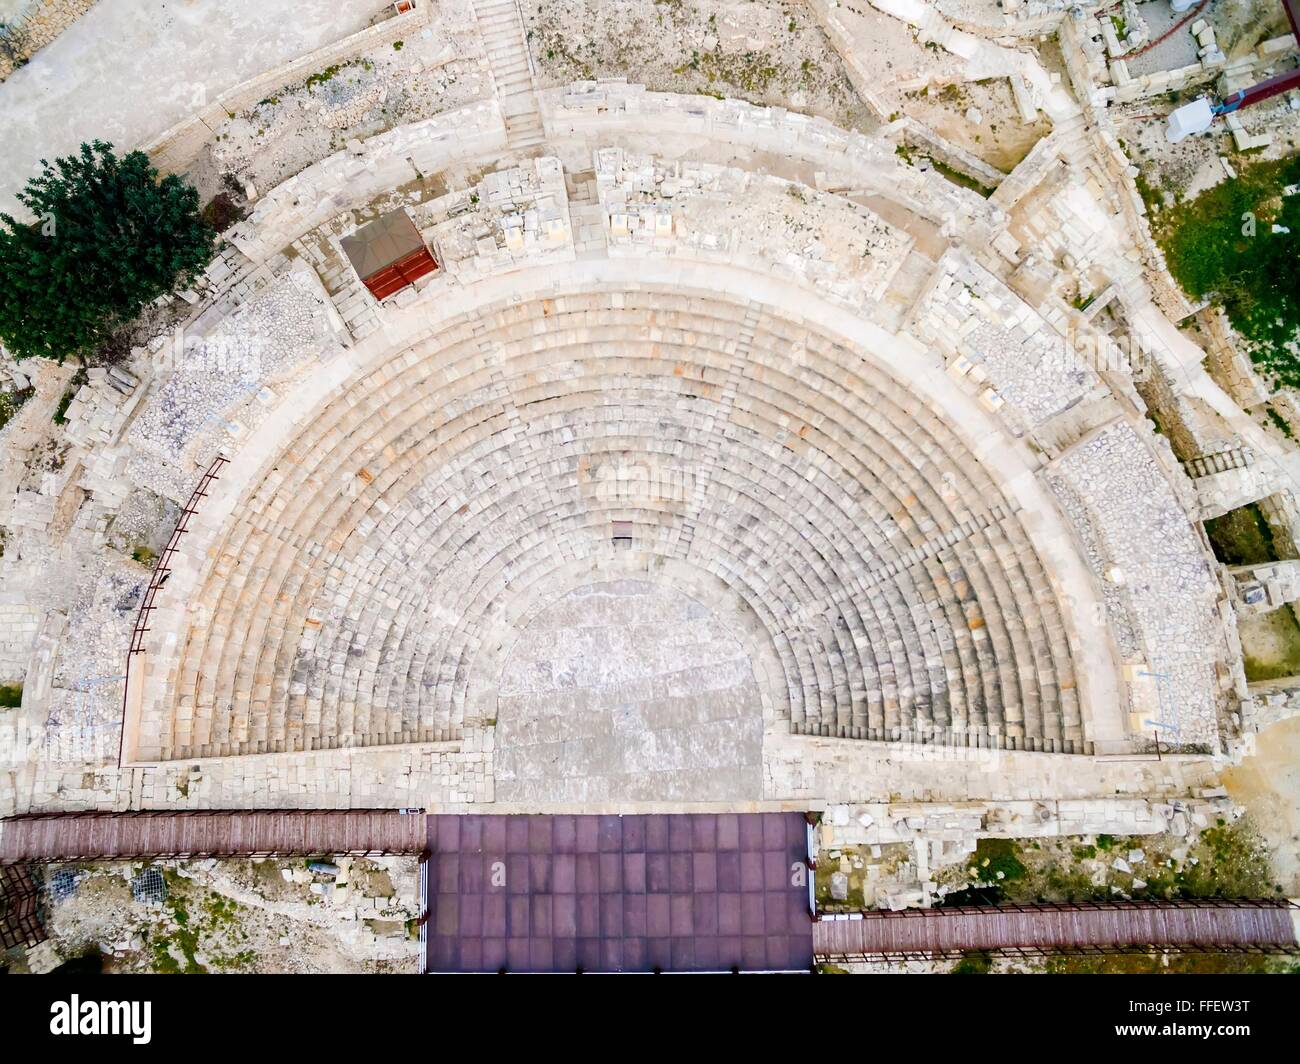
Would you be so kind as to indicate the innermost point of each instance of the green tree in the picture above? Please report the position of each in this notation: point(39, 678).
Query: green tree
point(108, 238)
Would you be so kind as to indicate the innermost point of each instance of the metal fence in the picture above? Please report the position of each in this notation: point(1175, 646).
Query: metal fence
point(161, 571)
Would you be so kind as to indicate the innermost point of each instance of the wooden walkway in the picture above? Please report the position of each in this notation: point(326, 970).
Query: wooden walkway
point(1203, 925)
point(215, 833)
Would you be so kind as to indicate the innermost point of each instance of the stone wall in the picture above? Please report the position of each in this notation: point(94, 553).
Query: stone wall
point(883, 823)
point(40, 24)
point(1283, 516)
point(1270, 703)
point(603, 109)
point(1226, 362)
point(1084, 68)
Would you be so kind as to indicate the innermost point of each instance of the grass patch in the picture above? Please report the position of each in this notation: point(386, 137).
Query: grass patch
point(1281, 423)
point(11, 403)
point(1242, 537)
point(322, 76)
point(1151, 196)
point(1177, 964)
point(973, 962)
point(997, 860)
point(1223, 861)
point(11, 695)
point(1270, 645)
point(958, 178)
point(1221, 246)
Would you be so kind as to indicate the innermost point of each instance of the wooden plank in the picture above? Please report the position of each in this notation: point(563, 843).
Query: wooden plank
point(217, 833)
point(935, 931)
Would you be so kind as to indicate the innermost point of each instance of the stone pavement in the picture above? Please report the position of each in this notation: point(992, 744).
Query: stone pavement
point(182, 57)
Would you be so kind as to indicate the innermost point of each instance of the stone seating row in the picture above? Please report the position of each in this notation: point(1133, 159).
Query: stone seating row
point(355, 586)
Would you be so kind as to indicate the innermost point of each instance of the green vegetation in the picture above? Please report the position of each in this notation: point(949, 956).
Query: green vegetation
point(11, 695)
point(1151, 196)
point(1270, 645)
point(908, 155)
point(184, 937)
point(1221, 245)
point(214, 921)
point(747, 70)
point(60, 412)
point(1242, 537)
point(322, 76)
point(997, 860)
point(11, 403)
point(143, 555)
point(109, 236)
point(973, 962)
point(958, 178)
point(1168, 964)
point(1281, 423)
point(1224, 861)
point(397, 45)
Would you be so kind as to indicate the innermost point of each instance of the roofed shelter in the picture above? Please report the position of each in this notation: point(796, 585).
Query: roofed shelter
point(388, 254)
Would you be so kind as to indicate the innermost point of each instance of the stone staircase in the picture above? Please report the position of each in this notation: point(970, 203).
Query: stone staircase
point(1220, 462)
point(354, 303)
point(586, 216)
point(502, 26)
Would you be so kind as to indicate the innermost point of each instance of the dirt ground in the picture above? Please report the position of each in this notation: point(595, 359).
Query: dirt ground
point(239, 916)
point(1270, 644)
point(1268, 785)
point(433, 71)
point(766, 52)
point(1000, 138)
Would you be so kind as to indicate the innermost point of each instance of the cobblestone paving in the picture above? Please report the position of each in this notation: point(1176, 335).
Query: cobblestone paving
point(628, 691)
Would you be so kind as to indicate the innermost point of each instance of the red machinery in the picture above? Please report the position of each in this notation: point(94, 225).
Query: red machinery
point(1271, 87)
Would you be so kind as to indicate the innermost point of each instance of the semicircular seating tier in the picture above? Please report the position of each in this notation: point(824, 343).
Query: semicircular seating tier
point(361, 589)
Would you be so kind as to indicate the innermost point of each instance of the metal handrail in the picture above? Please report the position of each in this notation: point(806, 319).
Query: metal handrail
point(161, 571)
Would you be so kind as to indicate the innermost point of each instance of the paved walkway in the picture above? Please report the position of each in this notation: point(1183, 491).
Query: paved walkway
point(131, 68)
point(216, 833)
point(1196, 925)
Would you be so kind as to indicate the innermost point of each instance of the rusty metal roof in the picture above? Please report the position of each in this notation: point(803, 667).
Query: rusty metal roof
point(381, 243)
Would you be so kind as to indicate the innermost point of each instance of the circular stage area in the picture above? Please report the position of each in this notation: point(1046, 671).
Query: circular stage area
point(628, 690)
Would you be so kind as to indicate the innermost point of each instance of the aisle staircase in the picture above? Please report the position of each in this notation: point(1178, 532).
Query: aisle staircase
point(502, 26)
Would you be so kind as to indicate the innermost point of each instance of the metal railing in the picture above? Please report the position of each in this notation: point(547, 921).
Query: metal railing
point(161, 571)
point(1078, 948)
point(1032, 908)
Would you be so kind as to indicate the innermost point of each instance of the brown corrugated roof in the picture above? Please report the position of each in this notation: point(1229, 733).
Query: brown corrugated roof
point(381, 243)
